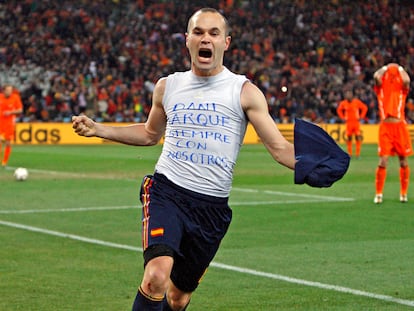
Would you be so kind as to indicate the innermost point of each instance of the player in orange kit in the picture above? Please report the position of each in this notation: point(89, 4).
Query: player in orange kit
point(352, 110)
point(392, 84)
point(10, 107)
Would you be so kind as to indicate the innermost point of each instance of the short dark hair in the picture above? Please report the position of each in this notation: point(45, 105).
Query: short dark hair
point(211, 10)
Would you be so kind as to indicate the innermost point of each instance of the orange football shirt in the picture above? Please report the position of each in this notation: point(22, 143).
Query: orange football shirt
point(7, 122)
point(391, 95)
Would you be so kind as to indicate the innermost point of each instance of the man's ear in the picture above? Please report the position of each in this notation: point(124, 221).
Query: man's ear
point(228, 41)
point(186, 39)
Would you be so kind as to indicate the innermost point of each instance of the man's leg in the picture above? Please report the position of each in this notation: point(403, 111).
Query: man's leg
point(154, 284)
point(349, 145)
point(358, 143)
point(175, 299)
point(404, 179)
point(380, 176)
point(7, 151)
point(145, 302)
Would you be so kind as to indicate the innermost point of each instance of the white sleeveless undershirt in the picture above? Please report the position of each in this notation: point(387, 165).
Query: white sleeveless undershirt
point(205, 130)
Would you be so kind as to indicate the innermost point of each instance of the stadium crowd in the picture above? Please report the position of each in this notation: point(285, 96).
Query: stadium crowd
point(102, 57)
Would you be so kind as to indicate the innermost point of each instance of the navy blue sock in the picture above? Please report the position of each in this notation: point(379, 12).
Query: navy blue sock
point(144, 302)
point(166, 306)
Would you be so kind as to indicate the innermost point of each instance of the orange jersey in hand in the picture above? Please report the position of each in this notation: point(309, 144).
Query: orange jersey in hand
point(391, 94)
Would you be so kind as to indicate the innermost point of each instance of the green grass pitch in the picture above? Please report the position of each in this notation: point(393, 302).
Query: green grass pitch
point(70, 235)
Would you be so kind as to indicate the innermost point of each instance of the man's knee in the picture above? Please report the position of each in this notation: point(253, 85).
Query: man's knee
point(157, 275)
point(383, 161)
point(403, 161)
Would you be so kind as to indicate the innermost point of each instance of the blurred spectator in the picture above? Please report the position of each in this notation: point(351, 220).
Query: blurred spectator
point(302, 54)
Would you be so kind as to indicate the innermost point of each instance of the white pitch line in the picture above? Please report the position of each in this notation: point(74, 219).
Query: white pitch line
point(294, 194)
point(279, 202)
point(108, 208)
point(69, 174)
point(281, 193)
point(336, 288)
point(63, 210)
point(69, 236)
point(278, 277)
point(308, 198)
point(35, 170)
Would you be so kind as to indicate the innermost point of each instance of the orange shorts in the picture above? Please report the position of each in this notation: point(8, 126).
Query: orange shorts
point(6, 132)
point(394, 139)
point(353, 128)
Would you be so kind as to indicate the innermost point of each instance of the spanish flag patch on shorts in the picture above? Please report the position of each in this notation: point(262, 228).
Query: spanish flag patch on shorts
point(157, 232)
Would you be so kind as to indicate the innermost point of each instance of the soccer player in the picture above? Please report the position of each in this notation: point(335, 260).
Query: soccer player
point(392, 84)
point(203, 114)
point(352, 111)
point(10, 107)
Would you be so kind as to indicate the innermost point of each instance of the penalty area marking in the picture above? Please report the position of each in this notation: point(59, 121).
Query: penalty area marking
point(308, 198)
point(65, 210)
point(107, 208)
point(69, 174)
point(278, 277)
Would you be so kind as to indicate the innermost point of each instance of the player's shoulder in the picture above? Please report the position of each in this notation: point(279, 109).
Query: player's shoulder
point(250, 89)
point(251, 96)
point(161, 81)
point(159, 88)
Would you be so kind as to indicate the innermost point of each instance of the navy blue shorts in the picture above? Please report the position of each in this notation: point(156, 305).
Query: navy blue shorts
point(184, 224)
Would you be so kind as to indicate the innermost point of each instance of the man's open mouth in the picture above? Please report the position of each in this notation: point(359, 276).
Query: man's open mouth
point(205, 53)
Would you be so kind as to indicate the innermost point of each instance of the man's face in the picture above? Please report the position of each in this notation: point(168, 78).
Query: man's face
point(348, 95)
point(8, 90)
point(206, 41)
